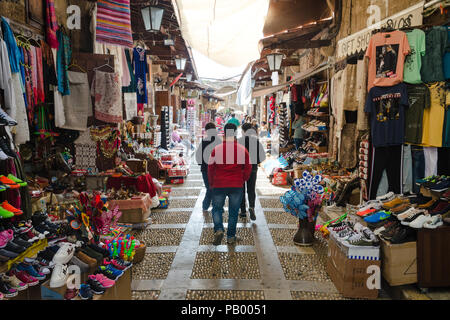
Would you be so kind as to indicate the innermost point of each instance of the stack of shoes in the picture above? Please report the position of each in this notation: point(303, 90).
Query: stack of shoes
point(436, 183)
point(61, 255)
point(354, 235)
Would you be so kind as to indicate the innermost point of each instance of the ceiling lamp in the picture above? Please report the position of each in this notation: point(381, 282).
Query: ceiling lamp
point(189, 77)
point(274, 61)
point(152, 18)
point(180, 63)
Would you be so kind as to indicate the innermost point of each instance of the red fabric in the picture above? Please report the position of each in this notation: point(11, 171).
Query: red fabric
point(142, 183)
point(232, 173)
point(40, 74)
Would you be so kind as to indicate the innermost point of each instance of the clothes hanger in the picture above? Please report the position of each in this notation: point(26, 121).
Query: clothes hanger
point(74, 64)
point(105, 65)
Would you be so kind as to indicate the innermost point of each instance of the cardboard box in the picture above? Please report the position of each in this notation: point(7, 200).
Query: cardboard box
point(357, 253)
point(399, 263)
point(134, 215)
point(120, 291)
point(349, 275)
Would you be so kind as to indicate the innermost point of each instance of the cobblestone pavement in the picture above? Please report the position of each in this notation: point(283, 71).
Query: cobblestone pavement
point(181, 263)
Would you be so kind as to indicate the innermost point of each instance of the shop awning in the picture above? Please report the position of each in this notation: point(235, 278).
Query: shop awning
point(299, 76)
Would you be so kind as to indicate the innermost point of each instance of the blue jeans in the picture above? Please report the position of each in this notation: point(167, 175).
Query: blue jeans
point(298, 143)
point(218, 201)
point(207, 200)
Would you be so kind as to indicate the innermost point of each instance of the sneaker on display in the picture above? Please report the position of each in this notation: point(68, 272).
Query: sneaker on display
point(420, 221)
point(64, 254)
point(434, 222)
point(59, 276)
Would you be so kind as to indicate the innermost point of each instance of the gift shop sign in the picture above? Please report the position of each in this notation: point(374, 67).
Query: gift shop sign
point(359, 41)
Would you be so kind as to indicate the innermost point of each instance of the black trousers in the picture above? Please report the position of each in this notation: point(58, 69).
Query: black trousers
point(251, 191)
point(389, 158)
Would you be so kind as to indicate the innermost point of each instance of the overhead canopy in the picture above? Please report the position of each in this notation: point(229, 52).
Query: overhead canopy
point(225, 31)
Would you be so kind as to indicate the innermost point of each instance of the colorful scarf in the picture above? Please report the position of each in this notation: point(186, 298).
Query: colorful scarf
point(63, 58)
point(11, 44)
point(114, 23)
point(52, 24)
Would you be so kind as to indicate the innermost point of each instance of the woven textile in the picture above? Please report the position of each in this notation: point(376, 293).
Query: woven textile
point(51, 25)
point(114, 23)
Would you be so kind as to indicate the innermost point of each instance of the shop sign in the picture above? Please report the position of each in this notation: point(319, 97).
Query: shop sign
point(359, 41)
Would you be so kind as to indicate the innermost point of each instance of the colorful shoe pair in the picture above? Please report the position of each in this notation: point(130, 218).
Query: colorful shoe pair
point(5, 205)
point(377, 217)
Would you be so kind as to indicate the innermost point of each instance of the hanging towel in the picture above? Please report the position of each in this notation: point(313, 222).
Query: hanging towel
point(107, 91)
point(132, 86)
point(22, 130)
point(64, 56)
point(77, 105)
point(52, 24)
point(130, 105)
point(126, 77)
point(13, 50)
point(113, 22)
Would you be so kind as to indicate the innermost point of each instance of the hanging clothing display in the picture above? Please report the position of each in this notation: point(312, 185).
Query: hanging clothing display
point(64, 57)
point(413, 63)
point(431, 161)
point(6, 80)
point(51, 24)
point(107, 92)
point(386, 53)
point(132, 86)
point(11, 44)
point(40, 91)
point(140, 71)
point(432, 65)
point(130, 105)
point(77, 105)
point(114, 23)
point(387, 115)
point(22, 131)
point(48, 66)
point(419, 100)
point(433, 117)
point(387, 158)
point(349, 88)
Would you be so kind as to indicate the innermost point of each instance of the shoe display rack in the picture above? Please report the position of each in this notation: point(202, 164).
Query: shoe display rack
point(165, 127)
point(364, 165)
point(284, 121)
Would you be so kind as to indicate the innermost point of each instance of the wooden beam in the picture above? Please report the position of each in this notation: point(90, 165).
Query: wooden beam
point(307, 44)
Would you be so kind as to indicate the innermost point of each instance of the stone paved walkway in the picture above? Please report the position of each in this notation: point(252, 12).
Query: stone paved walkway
point(181, 263)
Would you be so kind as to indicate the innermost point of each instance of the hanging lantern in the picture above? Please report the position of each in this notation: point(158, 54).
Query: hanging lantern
point(274, 61)
point(152, 18)
point(180, 63)
point(189, 77)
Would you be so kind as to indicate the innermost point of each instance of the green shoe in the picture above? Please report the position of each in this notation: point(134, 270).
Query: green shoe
point(3, 187)
point(17, 180)
point(5, 213)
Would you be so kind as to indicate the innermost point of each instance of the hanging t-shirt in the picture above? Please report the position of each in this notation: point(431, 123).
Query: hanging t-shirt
point(386, 53)
point(413, 62)
point(433, 117)
point(432, 66)
point(140, 71)
point(387, 115)
point(447, 56)
point(419, 99)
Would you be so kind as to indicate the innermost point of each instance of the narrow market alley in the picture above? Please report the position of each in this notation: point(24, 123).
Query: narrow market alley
point(181, 263)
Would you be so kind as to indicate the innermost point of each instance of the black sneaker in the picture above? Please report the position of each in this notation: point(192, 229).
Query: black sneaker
point(85, 292)
point(38, 217)
point(5, 145)
point(21, 242)
point(13, 247)
point(100, 250)
point(46, 254)
point(420, 199)
point(252, 213)
point(403, 235)
point(7, 290)
point(96, 286)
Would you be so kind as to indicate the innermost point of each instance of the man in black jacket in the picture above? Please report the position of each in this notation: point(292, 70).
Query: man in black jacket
point(202, 157)
point(257, 155)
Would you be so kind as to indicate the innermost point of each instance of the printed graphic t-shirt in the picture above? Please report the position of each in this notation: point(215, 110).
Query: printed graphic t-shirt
point(419, 99)
point(432, 63)
point(433, 117)
point(386, 106)
point(386, 53)
point(413, 62)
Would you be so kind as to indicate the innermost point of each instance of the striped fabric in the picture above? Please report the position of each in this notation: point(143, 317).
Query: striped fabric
point(114, 23)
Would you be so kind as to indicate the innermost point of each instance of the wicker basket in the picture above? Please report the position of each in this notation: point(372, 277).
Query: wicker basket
point(140, 253)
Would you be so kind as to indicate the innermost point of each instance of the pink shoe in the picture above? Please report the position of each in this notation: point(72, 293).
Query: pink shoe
point(107, 283)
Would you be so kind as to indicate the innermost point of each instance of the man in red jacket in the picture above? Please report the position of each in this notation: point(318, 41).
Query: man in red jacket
point(229, 168)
